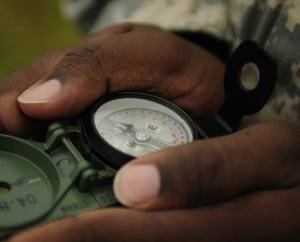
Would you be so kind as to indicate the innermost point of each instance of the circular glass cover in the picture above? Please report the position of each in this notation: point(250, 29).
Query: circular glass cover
point(137, 126)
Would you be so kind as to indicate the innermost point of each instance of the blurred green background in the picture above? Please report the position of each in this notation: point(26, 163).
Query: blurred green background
point(29, 28)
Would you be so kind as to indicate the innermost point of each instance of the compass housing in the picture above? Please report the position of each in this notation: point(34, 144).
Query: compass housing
point(114, 156)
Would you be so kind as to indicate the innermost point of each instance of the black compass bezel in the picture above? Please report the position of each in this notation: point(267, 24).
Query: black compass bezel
point(108, 153)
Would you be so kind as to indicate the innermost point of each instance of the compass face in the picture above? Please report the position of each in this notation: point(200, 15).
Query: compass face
point(137, 126)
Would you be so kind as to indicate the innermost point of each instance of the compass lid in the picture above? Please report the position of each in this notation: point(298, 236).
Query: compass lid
point(29, 182)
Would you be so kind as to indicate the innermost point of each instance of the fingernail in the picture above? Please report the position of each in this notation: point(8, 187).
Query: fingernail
point(41, 93)
point(136, 185)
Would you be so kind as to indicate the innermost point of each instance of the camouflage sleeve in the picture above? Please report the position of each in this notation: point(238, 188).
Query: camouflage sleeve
point(275, 24)
point(209, 16)
point(82, 12)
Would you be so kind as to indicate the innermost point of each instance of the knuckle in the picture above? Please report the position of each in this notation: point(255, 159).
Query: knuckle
point(109, 56)
point(204, 164)
point(83, 60)
point(213, 172)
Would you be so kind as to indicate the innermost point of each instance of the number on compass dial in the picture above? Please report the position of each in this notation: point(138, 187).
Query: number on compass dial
point(139, 131)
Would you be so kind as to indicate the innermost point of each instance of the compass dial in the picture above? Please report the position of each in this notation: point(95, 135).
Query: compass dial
point(137, 126)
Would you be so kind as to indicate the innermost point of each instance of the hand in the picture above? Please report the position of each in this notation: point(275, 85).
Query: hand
point(119, 58)
point(241, 187)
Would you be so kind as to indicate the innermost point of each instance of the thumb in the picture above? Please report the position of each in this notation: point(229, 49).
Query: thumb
point(76, 82)
point(260, 157)
point(78, 79)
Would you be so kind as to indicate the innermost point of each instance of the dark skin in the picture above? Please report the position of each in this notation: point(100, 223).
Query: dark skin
point(241, 187)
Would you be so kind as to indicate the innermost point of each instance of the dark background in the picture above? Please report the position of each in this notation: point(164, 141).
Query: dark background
point(29, 28)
